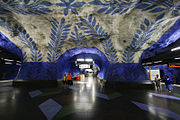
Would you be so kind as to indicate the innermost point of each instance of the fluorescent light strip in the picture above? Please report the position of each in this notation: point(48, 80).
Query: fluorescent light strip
point(177, 58)
point(174, 49)
point(8, 60)
point(157, 61)
point(88, 60)
point(80, 59)
point(149, 63)
point(8, 63)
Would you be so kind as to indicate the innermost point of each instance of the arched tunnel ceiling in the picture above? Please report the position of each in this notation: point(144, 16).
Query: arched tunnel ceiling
point(122, 29)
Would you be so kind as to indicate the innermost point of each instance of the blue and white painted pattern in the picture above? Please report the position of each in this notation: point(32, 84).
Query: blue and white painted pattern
point(114, 6)
point(36, 55)
point(10, 26)
point(157, 110)
point(172, 35)
point(50, 108)
point(78, 38)
point(59, 33)
point(140, 38)
point(24, 37)
point(93, 30)
point(36, 7)
point(8, 45)
point(157, 6)
point(70, 4)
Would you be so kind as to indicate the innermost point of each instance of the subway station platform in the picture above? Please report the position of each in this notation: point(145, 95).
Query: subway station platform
point(86, 100)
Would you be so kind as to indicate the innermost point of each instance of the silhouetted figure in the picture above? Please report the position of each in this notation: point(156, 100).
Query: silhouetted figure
point(65, 79)
point(69, 79)
point(168, 83)
point(157, 81)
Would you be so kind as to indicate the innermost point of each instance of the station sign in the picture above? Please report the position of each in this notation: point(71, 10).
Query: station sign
point(84, 66)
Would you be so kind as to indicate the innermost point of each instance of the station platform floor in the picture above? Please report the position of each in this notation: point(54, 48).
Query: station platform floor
point(86, 100)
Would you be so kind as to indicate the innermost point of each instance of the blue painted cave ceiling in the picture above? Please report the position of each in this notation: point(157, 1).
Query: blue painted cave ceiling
point(121, 29)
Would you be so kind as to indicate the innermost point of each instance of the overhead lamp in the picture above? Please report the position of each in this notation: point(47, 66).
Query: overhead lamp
point(80, 59)
point(149, 63)
point(8, 60)
point(8, 63)
point(177, 58)
point(174, 49)
point(157, 61)
point(88, 60)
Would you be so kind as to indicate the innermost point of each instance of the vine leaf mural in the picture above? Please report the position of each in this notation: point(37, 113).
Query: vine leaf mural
point(140, 38)
point(12, 28)
point(78, 38)
point(156, 6)
point(93, 30)
point(3, 11)
point(114, 6)
point(36, 7)
point(36, 55)
point(24, 57)
point(70, 5)
point(59, 33)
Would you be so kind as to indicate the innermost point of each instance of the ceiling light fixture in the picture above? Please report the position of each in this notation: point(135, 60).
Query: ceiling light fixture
point(177, 58)
point(8, 63)
point(157, 61)
point(174, 49)
point(80, 59)
point(8, 60)
point(88, 60)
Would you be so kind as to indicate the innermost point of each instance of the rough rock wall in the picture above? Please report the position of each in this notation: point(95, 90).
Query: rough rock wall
point(121, 29)
point(172, 35)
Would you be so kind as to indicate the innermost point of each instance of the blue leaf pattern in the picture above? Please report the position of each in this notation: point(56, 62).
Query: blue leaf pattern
point(78, 39)
point(24, 57)
point(25, 7)
point(15, 29)
point(70, 5)
point(36, 55)
point(157, 6)
point(93, 30)
point(144, 34)
point(59, 33)
point(114, 6)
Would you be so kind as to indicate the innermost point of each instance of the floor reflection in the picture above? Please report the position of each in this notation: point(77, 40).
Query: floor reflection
point(84, 98)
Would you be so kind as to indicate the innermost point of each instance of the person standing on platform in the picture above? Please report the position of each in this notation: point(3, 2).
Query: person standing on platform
point(102, 85)
point(69, 78)
point(65, 79)
point(158, 84)
point(168, 83)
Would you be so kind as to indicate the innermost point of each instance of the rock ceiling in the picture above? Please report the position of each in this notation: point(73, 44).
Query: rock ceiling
point(121, 29)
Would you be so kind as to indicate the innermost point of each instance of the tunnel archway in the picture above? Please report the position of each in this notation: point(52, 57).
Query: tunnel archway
point(10, 58)
point(67, 61)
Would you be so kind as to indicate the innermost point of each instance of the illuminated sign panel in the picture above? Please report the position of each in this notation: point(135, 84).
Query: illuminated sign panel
point(172, 65)
point(84, 66)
